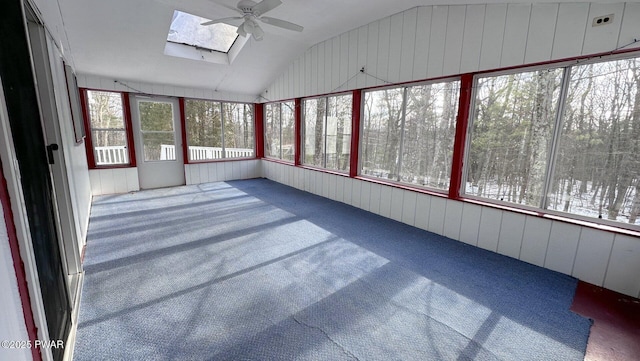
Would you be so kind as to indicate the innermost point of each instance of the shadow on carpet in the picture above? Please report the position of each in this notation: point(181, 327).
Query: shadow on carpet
point(255, 270)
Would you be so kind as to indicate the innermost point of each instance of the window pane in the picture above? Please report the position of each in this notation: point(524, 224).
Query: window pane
point(597, 171)
point(338, 132)
point(429, 132)
point(238, 130)
point(381, 133)
point(107, 128)
point(186, 28)
point(513, 122)
point(204, 129)
point(272, 130)
point(159, 146)
point(314, 130)
point(288, 131)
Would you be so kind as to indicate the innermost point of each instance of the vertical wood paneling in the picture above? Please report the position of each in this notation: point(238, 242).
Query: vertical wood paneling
point(332, 187)
point(308, 81)
point(348, 190)
point(356, 193)
point(335, 62)
point(592, 257)
point(437, 40)
point(470, 224)
point(453, 42)
point(204, 173)
point(328, 66)
point(397, 197)
point(515, 34)
point(340, 189)
point(511, 230)
point(395, 48)
point(133, 183)
point(423, 208)
point(542, 28)
point(493, 36)
point(453, 219)
point(489, 231)
point(409, 208)
point(314, 70)
point(363, 41)
point(195, 173)
point(372, 52)
point(630, 28)
point(602, 38)
point(472, 38)
point(325, 184)
point(535, 240)
point(384, 31)
point(385, 201)
point(228, 171)
point(407, 54)
point(321, 69)
point(423, 35)
point(570, 29)
point(365, 196)
point(624, 266)
point(436, 215)
point(235, 169)
point(95, 180)
point(374, 198)
point(352, 68)
point(344, 60)
point(563, 243)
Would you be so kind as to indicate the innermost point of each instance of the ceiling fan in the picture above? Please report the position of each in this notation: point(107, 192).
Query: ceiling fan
point(251, 13)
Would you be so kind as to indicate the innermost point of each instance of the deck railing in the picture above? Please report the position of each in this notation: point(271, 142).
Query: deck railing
point(119, 154)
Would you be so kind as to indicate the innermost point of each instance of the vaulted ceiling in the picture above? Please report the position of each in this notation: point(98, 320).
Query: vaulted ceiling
point(125, 39)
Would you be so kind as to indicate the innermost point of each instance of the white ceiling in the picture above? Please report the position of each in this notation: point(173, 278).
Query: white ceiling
point(125, 39)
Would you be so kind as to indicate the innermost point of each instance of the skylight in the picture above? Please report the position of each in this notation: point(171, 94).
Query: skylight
point(186, 29)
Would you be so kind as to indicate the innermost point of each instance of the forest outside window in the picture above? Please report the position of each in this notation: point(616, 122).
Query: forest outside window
point(327, 132)
point(108, 130)
point(280, 130)
point(219, 130)
point(565, 140)
point(408, 133)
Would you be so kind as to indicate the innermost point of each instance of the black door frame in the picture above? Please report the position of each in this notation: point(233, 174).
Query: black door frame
point(25, 123)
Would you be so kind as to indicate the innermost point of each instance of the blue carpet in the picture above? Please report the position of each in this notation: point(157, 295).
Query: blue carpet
point(254, 270)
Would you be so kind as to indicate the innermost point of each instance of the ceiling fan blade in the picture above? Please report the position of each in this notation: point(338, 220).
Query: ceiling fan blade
point(264, 6)
point(257, 32)
point(280, 23)
point(223, 20)
point(240, 31)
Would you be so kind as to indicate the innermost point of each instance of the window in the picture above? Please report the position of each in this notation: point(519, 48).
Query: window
point(327, 128)
point(187, 29)
point(597, 171)
point(217, 130)
point(156, 126)
point(513, 124)
point(108, 130)
point(566, 140)
point(408, 133)
point(280, 130)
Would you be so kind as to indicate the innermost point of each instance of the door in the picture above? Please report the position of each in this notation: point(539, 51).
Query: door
point(158, 141)
point(25, 125)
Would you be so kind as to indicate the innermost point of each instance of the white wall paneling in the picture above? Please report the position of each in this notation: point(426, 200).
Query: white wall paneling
point(470, 224)
point(511, 230)
point(563, 243)
point(489, 231)
point(535, 240)
point(592, 257)
point(624, 266)
point(113, 180)
point(599, 257)
point(433, 41)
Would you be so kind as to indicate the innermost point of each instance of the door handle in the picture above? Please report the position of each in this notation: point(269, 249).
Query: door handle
point(50, 148)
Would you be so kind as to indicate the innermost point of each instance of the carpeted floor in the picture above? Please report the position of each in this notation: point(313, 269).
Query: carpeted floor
point(254, 270)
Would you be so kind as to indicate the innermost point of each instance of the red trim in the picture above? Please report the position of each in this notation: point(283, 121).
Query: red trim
point(18, 266)
point(258, 111)
point(459, 145)
point(297, 115)
point(88, 140)
point(355, 132)
point(183, 129)
point(280, 161)
point(126, 107)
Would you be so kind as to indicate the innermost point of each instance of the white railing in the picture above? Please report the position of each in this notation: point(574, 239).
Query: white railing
point(119, 155)
point(111, 155)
